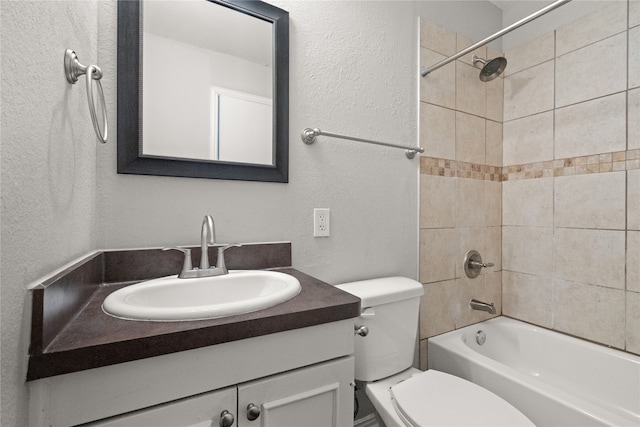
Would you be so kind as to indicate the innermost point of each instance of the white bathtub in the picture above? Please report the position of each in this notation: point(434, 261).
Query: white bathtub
point(554, 379)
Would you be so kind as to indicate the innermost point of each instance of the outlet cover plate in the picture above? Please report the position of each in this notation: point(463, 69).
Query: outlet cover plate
point(321, 222)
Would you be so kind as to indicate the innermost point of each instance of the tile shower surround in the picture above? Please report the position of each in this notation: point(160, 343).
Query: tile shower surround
point(569, 173)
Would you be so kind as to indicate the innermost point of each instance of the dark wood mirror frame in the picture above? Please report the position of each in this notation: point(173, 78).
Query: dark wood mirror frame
point(130, 161)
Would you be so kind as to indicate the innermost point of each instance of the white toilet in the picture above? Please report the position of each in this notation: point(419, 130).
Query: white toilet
point(402, 395)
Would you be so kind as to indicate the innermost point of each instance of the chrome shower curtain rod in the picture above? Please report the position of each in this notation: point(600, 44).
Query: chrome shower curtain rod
point(491, 38)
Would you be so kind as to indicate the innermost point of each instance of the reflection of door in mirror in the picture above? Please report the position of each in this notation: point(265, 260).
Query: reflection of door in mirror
point(236, 120)
point(189, 48)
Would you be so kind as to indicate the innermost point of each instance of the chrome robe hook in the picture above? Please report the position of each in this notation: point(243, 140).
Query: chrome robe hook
point(74, 69)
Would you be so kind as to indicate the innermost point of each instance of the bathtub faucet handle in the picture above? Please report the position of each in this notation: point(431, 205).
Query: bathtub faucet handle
point(473, 264)
point(476, 264)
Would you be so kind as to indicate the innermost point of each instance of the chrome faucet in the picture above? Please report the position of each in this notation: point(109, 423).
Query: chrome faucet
point(482, 306)
point(207, 238)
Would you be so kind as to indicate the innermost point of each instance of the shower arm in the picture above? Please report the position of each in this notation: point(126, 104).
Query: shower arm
point(491, 38)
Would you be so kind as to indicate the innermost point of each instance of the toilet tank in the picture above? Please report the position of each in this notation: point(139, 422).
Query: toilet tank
point(390, 308)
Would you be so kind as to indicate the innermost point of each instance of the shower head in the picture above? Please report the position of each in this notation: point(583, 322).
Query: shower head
point(490, 69)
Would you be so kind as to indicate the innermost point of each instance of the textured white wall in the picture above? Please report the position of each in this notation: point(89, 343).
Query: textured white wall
point(353, 70)
point(48, 166)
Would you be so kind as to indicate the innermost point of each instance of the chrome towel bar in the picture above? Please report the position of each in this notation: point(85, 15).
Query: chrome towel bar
point(309, 137)
point(73, 69)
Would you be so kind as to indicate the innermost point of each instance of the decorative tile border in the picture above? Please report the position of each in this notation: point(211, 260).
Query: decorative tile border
point(599, 163)
point(454, 168)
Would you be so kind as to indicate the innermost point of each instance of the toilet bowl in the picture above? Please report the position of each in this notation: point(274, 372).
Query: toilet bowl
point(402, 395)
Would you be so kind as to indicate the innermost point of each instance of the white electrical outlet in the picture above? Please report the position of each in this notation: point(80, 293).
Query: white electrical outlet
point(321, 222)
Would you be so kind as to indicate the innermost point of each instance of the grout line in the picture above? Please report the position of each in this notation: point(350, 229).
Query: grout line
point(553, 186)
point(626, 188)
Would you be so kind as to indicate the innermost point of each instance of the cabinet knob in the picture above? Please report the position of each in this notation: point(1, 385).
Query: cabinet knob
point(226, 419)
point(253, 412)
point(363, 331)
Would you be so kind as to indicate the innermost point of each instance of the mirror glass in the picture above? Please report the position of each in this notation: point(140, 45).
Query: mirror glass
point(207, 93)
point(220, 64)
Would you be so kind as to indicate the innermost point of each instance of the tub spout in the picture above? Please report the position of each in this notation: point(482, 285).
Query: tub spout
point(482, 306)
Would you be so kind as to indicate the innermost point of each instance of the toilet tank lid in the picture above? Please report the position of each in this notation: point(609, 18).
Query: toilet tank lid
point(384, 290)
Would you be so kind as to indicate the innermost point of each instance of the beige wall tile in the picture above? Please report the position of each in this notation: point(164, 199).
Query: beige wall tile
point(493, 53)
point(470, 91)
point(493, 291)
point(469, 238)
point(633, 118)
point(470, 198)
point(633, 261)
point(463, 43)
point(436, 308)
point(424, 353)
point(437, 39)
point(610, 20)
point(577, 79)
point(529, 54)
point(493, 248)
point(470, 138)
point(438, 249)
point(634, 13)
point(495, 90)
point(593, 127)
point(590, 312)
point(528, 250)
point(528, 202)
point(529, 139)
point(437, 201)
point(467, 289)
point(493, 143)
point(596, 257)
point(493, 204)
point(634, 57)
point(495, 99)
point(529, 92)
point(633, 323)
point(527, 297)
point(439, 87)
point(590, 201)
point(633, 199)
point(438, 131)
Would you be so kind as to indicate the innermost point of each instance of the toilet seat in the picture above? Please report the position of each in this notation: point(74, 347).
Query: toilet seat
point(433, 398)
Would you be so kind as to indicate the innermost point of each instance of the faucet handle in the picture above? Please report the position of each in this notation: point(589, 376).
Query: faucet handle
point(186, 264)
point(473, 264)
point(476, 264)
point(220, 261)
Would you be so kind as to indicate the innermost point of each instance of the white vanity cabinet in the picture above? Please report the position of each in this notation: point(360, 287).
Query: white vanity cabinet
point(317, 396)
point(297, 378)
point(200, 411)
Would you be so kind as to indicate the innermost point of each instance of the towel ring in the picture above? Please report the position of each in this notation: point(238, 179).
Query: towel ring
point(73, 69)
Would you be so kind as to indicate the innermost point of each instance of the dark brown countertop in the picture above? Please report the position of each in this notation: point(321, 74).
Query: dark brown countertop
point(91, 338)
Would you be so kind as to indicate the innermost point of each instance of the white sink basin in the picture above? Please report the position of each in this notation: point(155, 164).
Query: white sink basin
point(170, 298)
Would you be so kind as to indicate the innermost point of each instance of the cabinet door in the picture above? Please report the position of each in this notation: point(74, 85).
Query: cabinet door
point(316, 396)
point(203, 410)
